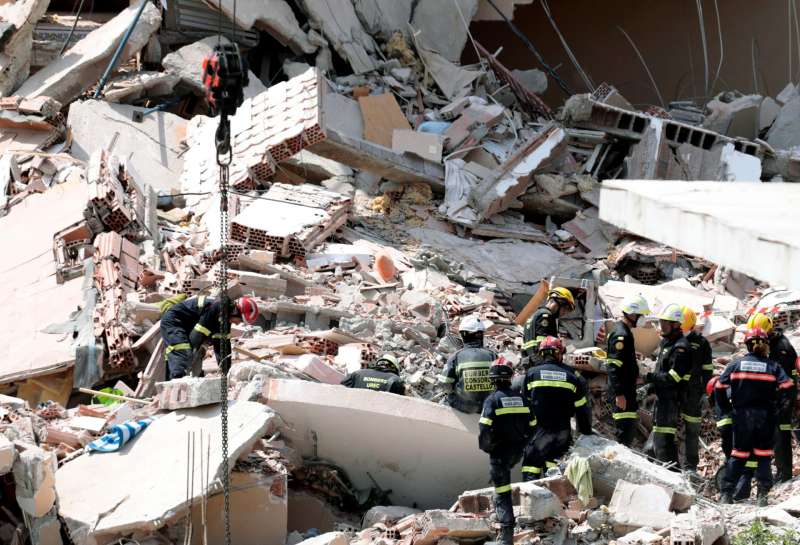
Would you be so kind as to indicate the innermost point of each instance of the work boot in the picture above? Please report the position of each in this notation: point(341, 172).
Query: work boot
point(761, 498)
point(726, 498)
point(506, 535)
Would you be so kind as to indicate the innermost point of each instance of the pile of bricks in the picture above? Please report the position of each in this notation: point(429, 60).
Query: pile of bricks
point(265, 224)
point(116, 272)
point(114, 197)
point(317, 345)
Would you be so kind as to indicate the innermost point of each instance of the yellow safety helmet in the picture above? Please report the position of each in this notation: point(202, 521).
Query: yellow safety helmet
point(671, 313)
point(689, 319)
point(564, 294)
point(760, 321)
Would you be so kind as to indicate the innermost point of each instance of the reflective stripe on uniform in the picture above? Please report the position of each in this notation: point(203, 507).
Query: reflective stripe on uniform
point(625, 415)
point(674, 374)
point(613, 361)
point(512, 410)
point(220, 336)
point(687, 377)
point(473, 365)
point(202, 329)
point(551, 384)
point(740, 454)
point(201, 301)
point(708, 367)
point(531, 469)
point(485, 421)
point(664, 429)
point(179, 346)
point(721, 423)
point(445, 380)
point(502, 489)
point(785, 427)
point(581, 402)
point(751, 464)
point(548, 465)
point(533, 423)
point(760, 452)
point(530, 344)
point(691, 419)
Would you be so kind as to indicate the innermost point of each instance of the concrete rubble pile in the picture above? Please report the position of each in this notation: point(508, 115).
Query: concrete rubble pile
point(381, 192)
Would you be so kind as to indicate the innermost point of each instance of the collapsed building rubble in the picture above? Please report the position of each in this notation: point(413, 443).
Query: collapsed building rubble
point(381, 193)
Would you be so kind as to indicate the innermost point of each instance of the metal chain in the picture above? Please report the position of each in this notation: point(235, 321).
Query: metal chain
point(225, 325)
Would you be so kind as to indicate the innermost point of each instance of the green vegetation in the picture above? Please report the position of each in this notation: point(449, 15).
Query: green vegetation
point(761, 534)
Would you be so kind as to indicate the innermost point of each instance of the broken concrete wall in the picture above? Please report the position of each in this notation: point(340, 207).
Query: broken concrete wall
point(153, 145)
point(17, 19)
point(410, 441)
point(83, 64)
point(384, 16)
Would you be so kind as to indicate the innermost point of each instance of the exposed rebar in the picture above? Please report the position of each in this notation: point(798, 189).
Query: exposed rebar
point(644, 64)
point(581, 72)
point(721, 46)
point(700, 18)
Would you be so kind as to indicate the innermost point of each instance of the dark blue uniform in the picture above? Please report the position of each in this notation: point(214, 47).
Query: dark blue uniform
point(555, 394)
point(466, 377)
point(671, 376)
point(783, 353)
point(542, 324)
point(623, 374)
point(185, 326)
point(691, 411)
point(759, 389)
point(505, 425)
point(372, 379)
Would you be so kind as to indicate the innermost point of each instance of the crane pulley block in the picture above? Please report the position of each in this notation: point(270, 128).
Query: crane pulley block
point(225, 75)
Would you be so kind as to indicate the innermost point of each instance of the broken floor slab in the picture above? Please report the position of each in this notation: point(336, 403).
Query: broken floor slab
point(82, 65)
point(638, 505)
point(153, 146)
point(18, 20)
point(34, 476)
point(513, 265)
point(705, 215)
point(785, 131)
point(612, 462)
point(143, 485)
point(343, 29)
point(29, 275)
point(328, 422)
point(384, 16)
point(443, 29)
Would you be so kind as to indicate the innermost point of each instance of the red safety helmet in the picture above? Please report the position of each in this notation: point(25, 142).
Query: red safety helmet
point(248, 309)
point(501, 369)
point(755, 335)
point(552, 344)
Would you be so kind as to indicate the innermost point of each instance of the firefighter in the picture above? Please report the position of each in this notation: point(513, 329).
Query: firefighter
point(383, 375)
point(623, 371)
point(465, 377)
point(702, 368)
point(544, 323)
point(188, 323)
point(505, 425)
point(555, 394)
point(672, 373)
point(724, 418)
point(783, 353)
point(759, 390)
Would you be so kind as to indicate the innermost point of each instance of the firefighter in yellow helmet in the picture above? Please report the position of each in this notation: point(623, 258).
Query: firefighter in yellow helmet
point(702, 368)
point(544, 323)
point(783, 353)
point(671, 375)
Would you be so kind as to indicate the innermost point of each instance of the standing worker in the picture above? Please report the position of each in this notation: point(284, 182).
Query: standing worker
point(383, 375)
point(188, 324)
point(759, 390)
point(702, 368)
point(505, 425)
point(783, 353)
point(672, 373)
point(556, 394)
point(465, 376)
point(623, 370)
point(544, 323)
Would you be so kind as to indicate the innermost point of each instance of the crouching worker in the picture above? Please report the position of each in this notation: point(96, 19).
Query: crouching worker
point(505, 425)
point(188, 324)
point(383, 375)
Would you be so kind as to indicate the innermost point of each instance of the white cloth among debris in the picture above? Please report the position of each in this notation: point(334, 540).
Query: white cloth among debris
point(118, 436)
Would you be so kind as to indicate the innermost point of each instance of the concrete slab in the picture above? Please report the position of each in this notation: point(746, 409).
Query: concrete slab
point(17, 47)
point(704, 218)
point(343, 29)
point(384, 16)
point(7, 455)
point(612, 462)
point(34, 476)
point(153, 147)
point(443, 29)
point(143, 485)
point(639, 505)
point(28, 274)
point(82, 65)
point(409, 442)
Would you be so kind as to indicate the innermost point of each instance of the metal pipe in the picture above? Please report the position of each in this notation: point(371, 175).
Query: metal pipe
point(119, 50)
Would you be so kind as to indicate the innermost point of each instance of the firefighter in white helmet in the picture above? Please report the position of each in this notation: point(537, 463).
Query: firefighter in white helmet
point(623, 371)
point(465, 376)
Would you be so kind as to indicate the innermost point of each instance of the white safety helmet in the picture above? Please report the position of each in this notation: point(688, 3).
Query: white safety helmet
point(471, 324)
point(636, 304)
point(672, 313)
